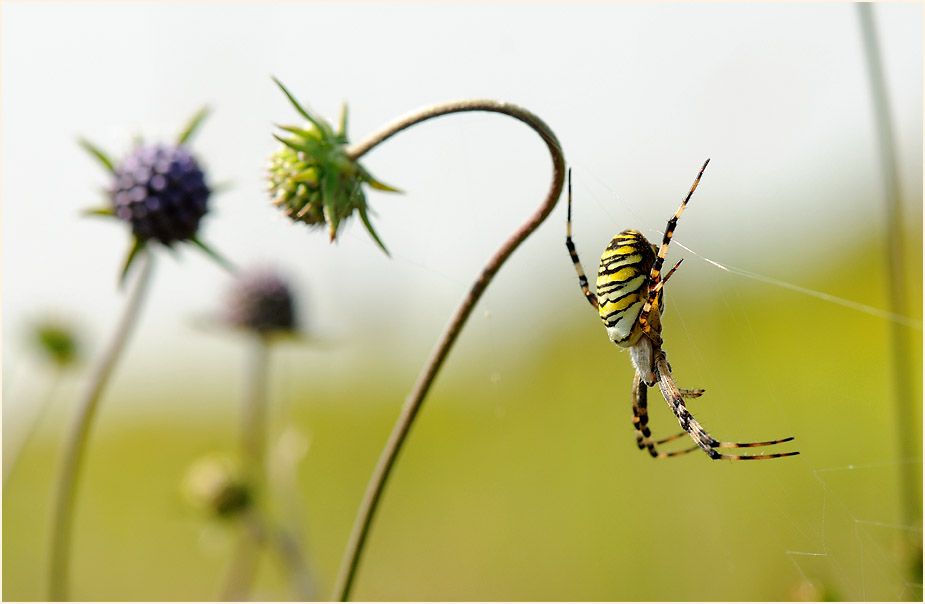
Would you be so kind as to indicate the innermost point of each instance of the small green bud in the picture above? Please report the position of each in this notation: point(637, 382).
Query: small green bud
point(215, 485)
point(56, 340)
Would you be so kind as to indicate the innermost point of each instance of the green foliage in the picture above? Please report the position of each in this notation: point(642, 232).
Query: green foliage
point(193, 125)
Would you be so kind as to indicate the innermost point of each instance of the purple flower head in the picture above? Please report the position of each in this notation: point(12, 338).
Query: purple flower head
point(161, 191)
point(261, 300)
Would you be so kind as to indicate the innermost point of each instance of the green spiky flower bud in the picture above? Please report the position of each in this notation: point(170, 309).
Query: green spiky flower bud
point(312, 178)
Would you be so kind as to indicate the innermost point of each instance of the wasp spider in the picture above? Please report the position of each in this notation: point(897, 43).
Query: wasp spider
point(630, 299)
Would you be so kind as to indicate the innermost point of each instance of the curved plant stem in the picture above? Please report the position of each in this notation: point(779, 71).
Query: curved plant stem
point(413, 403)
point(63, 510)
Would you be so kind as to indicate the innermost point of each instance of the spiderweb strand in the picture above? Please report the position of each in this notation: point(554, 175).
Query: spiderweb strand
point(864, 308)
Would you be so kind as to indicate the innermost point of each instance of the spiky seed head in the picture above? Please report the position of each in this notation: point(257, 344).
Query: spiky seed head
point(312, 178)
point(294, 187)
point(261, 300)
point(161, 191)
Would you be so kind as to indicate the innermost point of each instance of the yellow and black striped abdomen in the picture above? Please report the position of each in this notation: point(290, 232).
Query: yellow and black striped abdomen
point(623, 285)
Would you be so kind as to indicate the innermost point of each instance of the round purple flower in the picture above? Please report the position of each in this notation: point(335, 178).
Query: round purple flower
point(161, 191)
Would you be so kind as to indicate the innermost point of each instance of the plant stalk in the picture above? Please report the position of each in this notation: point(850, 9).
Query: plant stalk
point(240, 574)
point(258, 528)
point(253, 434)
point(11, 458)
point(254, 416)
point(906, 422)
point(75, 445)
point(412, 405)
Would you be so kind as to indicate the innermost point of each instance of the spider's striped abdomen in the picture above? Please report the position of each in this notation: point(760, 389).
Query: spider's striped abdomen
point(623, 285)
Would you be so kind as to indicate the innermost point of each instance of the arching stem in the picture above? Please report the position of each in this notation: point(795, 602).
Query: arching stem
point(415, 399)
point(77, 438)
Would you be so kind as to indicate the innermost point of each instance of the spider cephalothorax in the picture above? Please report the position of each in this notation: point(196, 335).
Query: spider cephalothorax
point(630, 301)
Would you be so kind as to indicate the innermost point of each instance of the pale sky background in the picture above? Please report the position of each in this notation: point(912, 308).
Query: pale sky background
point(638, 94)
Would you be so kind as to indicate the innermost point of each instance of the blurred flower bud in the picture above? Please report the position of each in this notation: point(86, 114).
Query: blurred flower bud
point(215, 485)
point(56, 340)
point(260, 300)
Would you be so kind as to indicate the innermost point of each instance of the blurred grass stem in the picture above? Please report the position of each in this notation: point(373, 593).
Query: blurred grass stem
point(896, 275)
point(258, 533)
point(254, 413)
point(412, 405)
point(75, 445)
point(253, 452)
point(32, 424)
point(243, 567)
point(258, 529)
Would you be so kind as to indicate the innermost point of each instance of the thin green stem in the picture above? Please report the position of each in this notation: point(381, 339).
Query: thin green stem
point(905, 400)
point(240, 574)
point(290, 554)
point(258, 529)
point(283, 471)
point(908, 439)
point(412, 405)
point(253, 431)
point(75, 445)
point(258, 533)
point(254, 413)
point(41, 407)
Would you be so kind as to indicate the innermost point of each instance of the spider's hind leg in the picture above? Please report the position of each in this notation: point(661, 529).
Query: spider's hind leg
point(674, 397)
point(641, 421)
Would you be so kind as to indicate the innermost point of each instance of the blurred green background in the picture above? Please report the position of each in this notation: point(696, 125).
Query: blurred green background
point(521, 479)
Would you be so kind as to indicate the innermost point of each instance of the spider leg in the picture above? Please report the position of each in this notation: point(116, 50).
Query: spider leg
point(685, 393)
point(672, 224)
point(573, 253)
point(690, 425)
point(658, 286)
point(641, 421)
point(654, 275)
